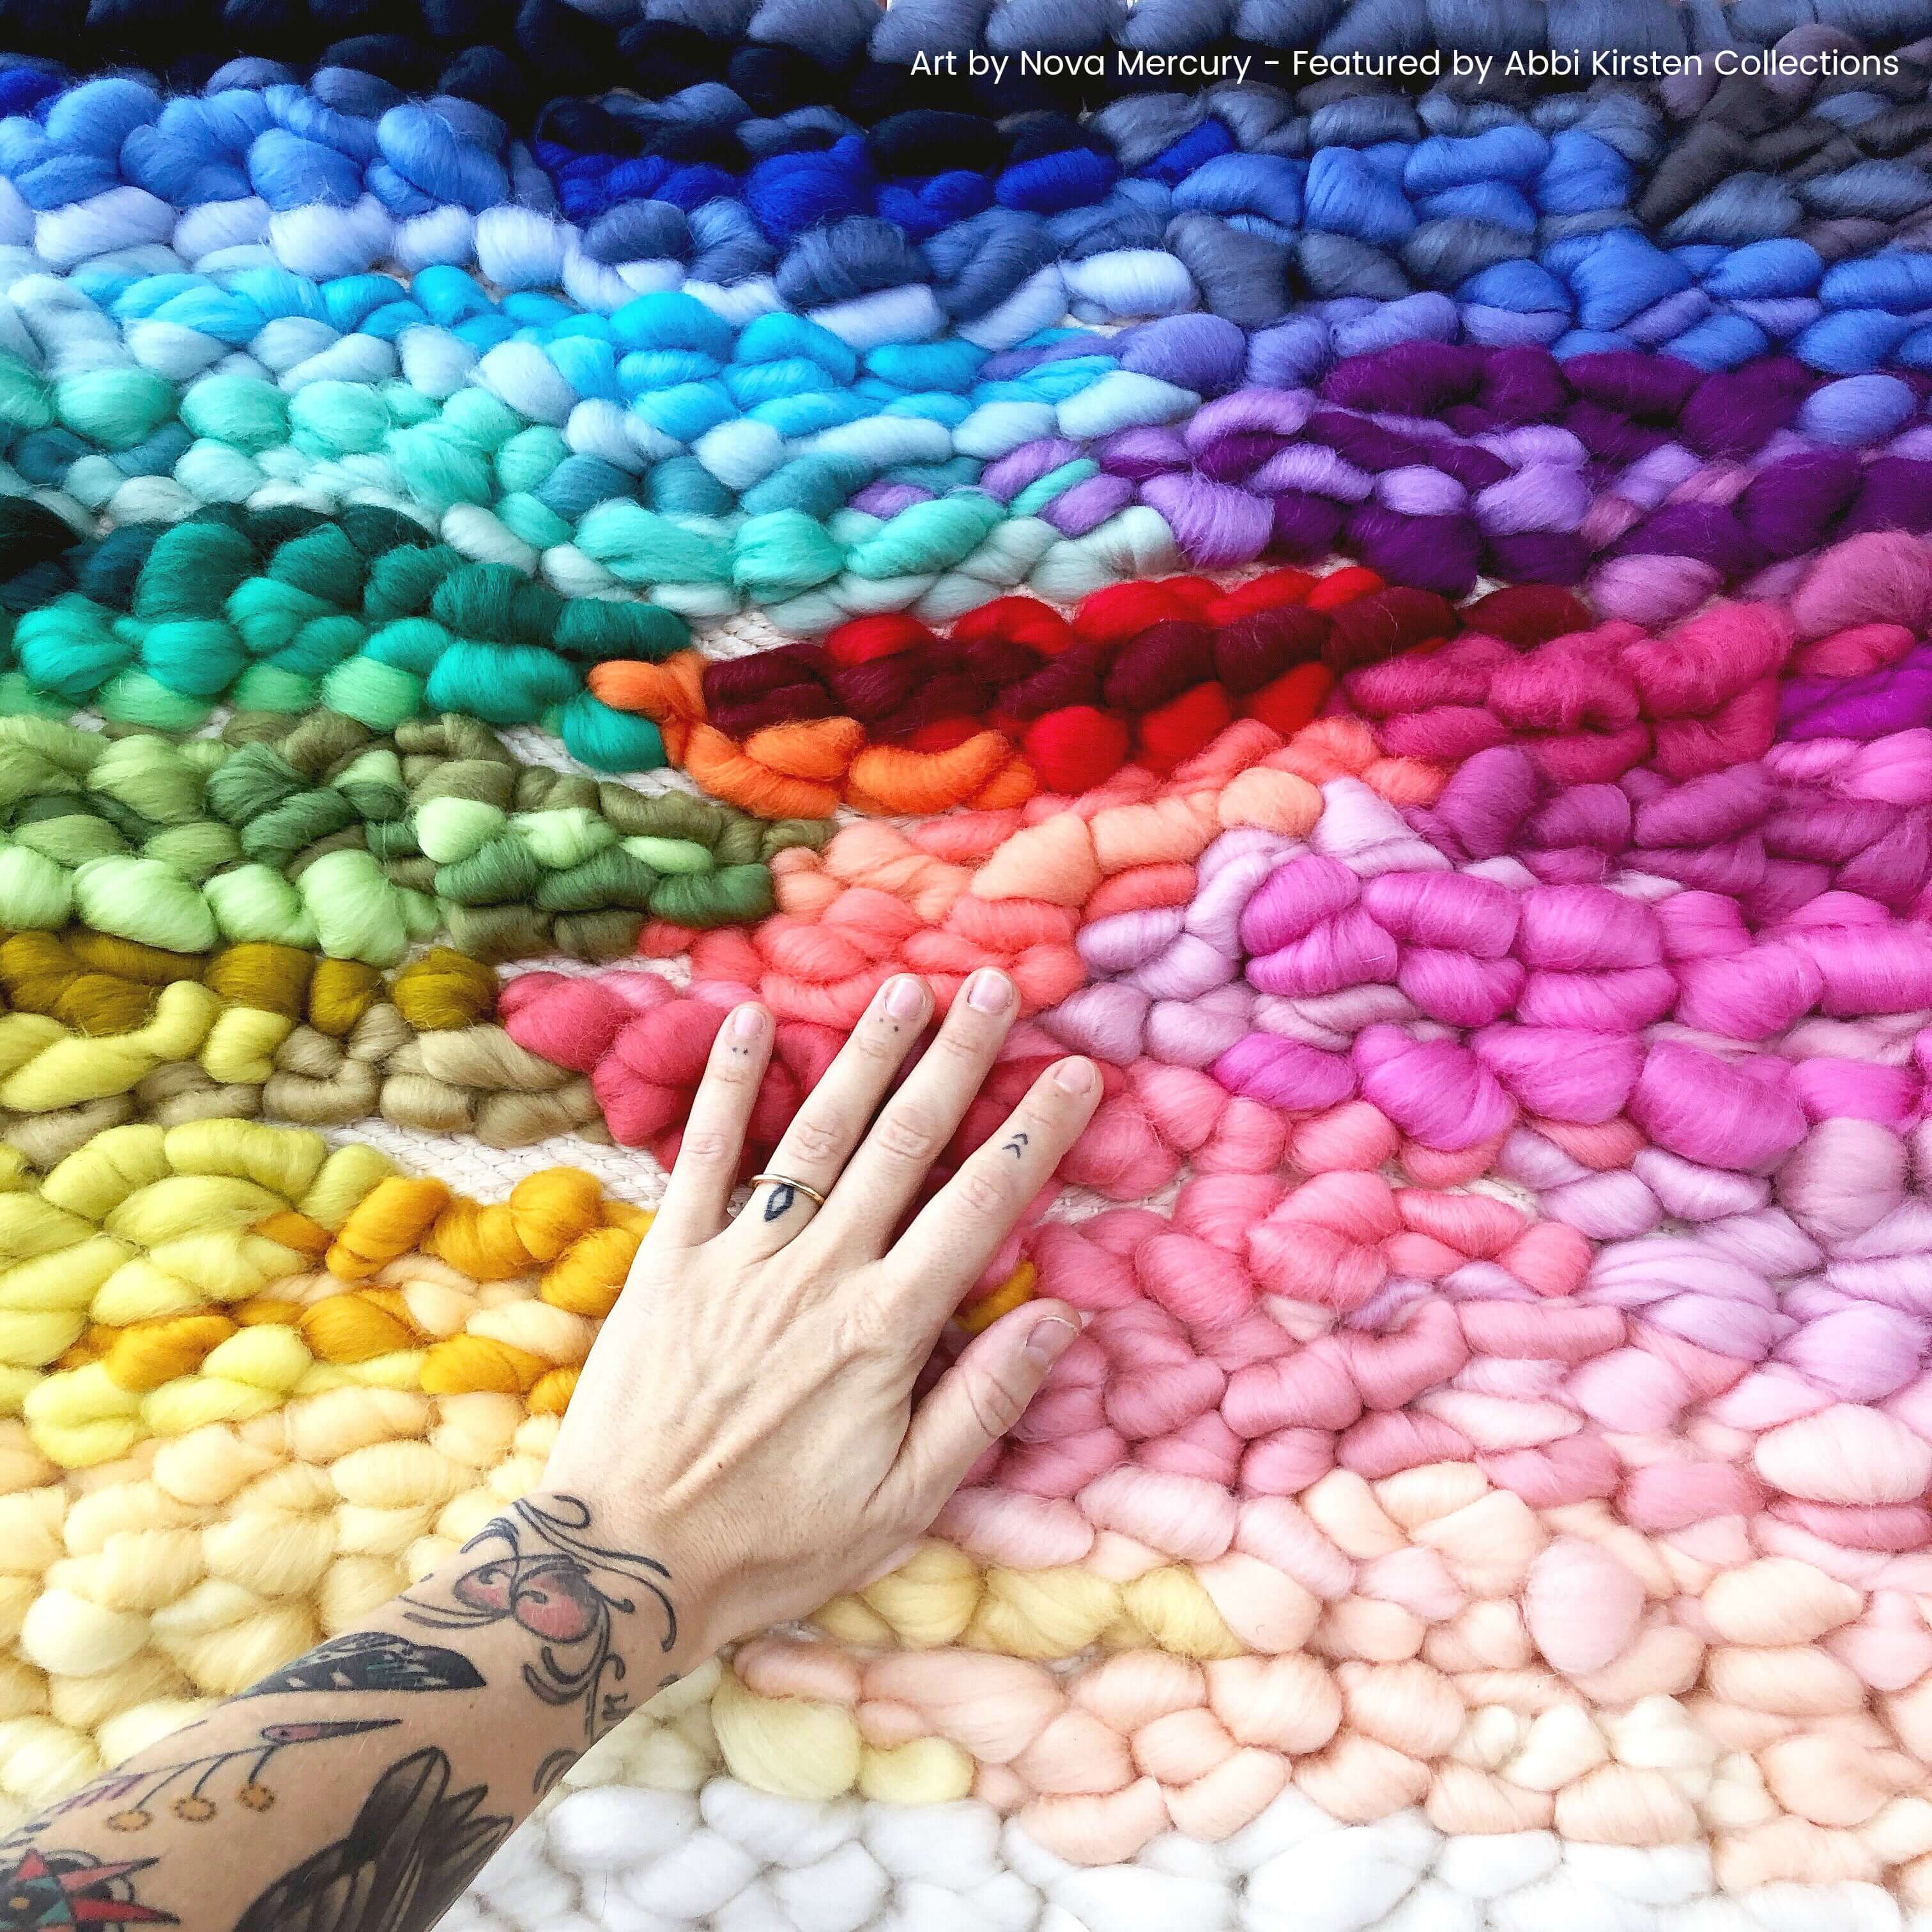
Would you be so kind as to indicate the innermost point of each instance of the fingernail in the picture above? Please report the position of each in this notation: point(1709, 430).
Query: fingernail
point(905, 998)
point(746, 1024)
point(1074, 1076)
point(1048, 1341)
point(989, 992)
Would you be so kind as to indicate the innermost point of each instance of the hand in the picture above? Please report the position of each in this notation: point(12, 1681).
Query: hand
point(747, 1414)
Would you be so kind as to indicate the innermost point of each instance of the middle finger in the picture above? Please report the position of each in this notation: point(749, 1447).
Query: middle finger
point(815, 1147)
point(881, 1180)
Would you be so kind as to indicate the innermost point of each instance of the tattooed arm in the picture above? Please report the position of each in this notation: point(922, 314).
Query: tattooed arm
point(363, 1785)
point(751, 1434)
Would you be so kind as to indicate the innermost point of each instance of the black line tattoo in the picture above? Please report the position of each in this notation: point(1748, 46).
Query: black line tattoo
point(40, 1891)
point(778, 1203)
point(1013, 1146)
point(372, 1660)
point(135, 1795)
point(540, 1572)
point(411, 1851)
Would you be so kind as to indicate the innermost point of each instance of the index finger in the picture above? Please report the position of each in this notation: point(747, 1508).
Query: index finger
point(957, 1232)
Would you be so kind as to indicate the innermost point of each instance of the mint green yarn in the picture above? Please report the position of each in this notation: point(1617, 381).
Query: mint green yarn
point(929, 536)
point(255, 902)
point(333, 419)
point(269, 688)
point(116, 408)
point(145, 900)
point(19, 699)
point(136, 698)
point(25, 401)
point(245, 411)
point(528, 458)
point(1037, 495)
point(783, 553)
point(532, 522)
point(441, 470)
point(377, 695)
point(37, 894)
point(215, 473)
point(639, 547)
point(359, 914)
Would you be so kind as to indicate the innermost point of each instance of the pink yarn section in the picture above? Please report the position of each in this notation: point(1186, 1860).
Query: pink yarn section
point(1540, 1043)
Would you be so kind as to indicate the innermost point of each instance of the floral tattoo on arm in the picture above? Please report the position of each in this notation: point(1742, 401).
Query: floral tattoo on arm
point(536, 1567)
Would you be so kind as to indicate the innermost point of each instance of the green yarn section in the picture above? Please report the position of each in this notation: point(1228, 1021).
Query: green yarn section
point(358, 843)
point(367, 615)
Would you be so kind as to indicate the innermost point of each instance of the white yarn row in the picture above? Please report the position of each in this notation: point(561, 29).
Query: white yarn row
point(645, 1836)
point(624, 1859)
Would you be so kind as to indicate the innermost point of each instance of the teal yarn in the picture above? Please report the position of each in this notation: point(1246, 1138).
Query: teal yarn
point(365, 615)
point(519, 415)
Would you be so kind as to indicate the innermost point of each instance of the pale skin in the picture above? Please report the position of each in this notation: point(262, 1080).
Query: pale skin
point(745, 1441)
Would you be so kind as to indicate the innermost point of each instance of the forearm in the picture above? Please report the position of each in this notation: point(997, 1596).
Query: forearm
point(751, 1431)
point(361, 1788)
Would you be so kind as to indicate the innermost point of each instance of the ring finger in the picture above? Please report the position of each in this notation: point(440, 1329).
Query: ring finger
point(814, 1150)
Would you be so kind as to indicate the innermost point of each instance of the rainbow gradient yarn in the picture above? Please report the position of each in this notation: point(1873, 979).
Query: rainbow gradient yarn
point(1397, 607)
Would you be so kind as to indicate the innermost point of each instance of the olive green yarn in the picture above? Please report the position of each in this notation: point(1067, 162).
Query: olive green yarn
point(360, 845)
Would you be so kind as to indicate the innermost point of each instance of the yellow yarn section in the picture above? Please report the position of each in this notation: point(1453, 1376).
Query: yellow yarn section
point(133, 1594)
point(941, 1597)
point(160, 1280)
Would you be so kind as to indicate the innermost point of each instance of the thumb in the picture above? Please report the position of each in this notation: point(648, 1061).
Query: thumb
point(978, 1399)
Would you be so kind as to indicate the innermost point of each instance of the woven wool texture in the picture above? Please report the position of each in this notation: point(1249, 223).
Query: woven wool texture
point(1400, 614)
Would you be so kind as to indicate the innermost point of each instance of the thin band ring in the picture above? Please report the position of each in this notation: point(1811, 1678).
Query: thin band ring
point(785, 1180)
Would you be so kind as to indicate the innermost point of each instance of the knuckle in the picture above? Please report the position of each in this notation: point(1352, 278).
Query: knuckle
point(728, 1069)
point(706, 1144)
point(818, 1137)
point(995, 1407)
point(868, 1327)
point(981, 1193)
point(876, 1040)
point(960, 1042)
point(907, 1134)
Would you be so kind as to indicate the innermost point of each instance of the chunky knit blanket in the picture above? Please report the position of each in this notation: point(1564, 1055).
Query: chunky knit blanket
point(1399, 608)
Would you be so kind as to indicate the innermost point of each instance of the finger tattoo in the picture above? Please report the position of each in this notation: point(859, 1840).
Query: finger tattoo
point(778, 1203)
point(1015, 1146)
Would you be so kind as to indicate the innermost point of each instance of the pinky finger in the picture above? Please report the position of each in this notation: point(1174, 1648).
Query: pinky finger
point(706, 1169)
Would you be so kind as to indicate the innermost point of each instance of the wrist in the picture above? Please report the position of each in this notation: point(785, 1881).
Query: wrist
point(656, 1589)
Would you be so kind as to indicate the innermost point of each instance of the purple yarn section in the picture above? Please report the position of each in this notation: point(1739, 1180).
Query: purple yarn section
point(1896, 699)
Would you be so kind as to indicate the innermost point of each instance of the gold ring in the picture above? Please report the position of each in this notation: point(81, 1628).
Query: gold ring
point(812, 1194)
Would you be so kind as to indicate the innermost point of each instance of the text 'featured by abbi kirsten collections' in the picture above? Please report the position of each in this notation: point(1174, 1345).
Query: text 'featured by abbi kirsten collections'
point(1297, 68)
